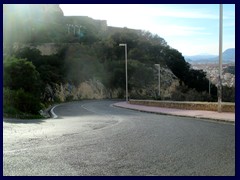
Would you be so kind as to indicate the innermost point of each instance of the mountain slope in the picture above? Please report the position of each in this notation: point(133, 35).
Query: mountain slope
point(227, 56)
point(200, 57)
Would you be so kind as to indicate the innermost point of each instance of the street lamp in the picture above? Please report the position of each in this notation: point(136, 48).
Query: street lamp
point(220, 58)
point(158, 78)
point(125, 45)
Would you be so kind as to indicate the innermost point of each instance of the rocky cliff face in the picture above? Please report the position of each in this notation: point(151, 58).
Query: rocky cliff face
point(91, 89)
point(94, 89)
point(169, 82)
point(44, 48)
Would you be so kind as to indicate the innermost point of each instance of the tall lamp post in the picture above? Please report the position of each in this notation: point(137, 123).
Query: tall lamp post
point(125, 45)
point(220, 59)
point(158, 79)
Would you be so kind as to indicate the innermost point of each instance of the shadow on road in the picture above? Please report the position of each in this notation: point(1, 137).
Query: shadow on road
point(24, 121)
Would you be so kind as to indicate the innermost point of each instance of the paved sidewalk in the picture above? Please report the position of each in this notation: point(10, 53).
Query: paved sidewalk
point(212, 115)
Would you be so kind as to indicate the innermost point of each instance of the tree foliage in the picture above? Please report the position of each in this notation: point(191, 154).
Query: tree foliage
point(19, 73)
point(21, 85)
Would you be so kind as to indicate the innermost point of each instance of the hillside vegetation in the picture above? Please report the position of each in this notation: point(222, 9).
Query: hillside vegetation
point(87, 62)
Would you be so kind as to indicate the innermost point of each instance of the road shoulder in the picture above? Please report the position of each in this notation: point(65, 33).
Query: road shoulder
point(210, 115)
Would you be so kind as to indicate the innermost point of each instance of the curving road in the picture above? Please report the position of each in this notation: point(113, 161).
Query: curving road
point(95, 138)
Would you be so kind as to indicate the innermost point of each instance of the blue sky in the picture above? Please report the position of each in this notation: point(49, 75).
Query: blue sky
point(190, 28)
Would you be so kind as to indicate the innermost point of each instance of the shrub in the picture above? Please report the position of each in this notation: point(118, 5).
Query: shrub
point(19, 73)
point(15, 101)
point(183, 93)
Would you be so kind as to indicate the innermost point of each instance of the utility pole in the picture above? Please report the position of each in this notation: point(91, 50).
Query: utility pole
point(220, 58)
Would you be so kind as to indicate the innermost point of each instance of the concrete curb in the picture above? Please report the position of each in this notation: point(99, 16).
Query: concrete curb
point(51, 112)
point(179, 115)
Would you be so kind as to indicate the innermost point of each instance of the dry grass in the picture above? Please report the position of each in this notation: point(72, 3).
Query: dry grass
point(91, 89)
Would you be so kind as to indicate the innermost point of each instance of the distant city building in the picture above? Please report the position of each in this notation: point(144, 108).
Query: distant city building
point(228, 79)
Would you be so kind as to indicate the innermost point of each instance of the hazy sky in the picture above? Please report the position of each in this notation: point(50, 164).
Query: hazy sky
point(191, 29)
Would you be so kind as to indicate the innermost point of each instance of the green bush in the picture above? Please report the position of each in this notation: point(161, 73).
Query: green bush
point(19, 73)
point(15, 101)
point(9, 110)
point(21, 86)
point(183, 93)
point(69, 98)
point(228, 94)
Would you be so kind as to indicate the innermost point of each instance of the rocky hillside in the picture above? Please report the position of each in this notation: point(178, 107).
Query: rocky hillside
point(80, 58)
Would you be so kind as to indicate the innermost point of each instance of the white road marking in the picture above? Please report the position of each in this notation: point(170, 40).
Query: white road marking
point(54, 115)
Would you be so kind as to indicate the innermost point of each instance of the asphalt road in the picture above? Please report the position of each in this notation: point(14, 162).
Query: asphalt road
point(94, 138)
